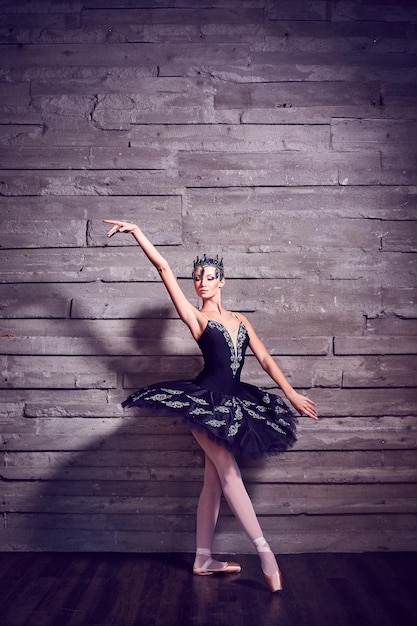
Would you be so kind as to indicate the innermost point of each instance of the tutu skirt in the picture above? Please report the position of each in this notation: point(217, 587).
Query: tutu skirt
point(251, 424)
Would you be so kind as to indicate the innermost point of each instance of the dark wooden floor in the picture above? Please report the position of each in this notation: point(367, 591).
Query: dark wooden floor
point(114, 589)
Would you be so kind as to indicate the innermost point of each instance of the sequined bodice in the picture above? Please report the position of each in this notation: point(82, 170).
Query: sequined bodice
point(223, 360)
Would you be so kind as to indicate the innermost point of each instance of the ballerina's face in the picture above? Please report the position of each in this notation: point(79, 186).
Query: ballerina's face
point(207, 281)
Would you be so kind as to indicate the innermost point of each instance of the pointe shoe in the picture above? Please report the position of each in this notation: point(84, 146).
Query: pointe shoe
point(274, 581)
point(206, 570)
point(229, 568)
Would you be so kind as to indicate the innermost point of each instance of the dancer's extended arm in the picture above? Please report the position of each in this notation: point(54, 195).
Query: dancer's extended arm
point(301, 403)
point(187, 312)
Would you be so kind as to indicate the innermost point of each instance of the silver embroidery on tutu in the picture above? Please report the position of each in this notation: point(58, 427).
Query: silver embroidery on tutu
point(246, 419)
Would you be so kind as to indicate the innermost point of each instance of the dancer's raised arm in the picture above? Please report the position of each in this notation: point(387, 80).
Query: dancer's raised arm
point(189, 314)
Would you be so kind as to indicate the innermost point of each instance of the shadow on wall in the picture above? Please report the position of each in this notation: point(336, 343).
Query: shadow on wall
point(122, 481)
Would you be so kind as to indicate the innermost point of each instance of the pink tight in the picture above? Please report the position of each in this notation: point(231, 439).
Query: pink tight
point(222, 475)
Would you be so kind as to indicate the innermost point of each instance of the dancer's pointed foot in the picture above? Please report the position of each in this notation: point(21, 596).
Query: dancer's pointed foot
point(270, 569)
point(274, 582)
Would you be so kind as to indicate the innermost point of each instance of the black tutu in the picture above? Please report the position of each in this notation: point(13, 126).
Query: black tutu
point(247, 420)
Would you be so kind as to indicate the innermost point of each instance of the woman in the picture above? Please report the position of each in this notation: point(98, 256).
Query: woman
point(226, 417)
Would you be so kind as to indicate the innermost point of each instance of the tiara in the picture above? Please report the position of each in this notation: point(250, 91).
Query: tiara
point(206, 261)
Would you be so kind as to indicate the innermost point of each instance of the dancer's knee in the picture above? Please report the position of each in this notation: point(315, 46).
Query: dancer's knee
point(226, 465)
point(221, 459)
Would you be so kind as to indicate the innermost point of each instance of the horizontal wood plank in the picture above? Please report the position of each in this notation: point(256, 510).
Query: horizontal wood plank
point(275, 499)
point(359, 467)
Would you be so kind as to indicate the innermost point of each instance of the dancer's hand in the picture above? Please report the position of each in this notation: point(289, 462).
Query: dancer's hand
point(120, 227)
point(303, 405)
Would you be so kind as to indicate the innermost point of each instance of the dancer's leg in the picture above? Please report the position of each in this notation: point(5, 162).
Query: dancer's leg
point(237, 497)
point(207, 514)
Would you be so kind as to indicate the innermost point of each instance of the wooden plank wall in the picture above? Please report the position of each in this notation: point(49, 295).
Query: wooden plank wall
point(279, 134)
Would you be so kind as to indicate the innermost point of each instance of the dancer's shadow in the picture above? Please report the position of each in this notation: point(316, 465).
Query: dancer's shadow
point(134, 485)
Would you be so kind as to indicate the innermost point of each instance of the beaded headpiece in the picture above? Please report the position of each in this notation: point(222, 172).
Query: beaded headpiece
point(206, 261)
